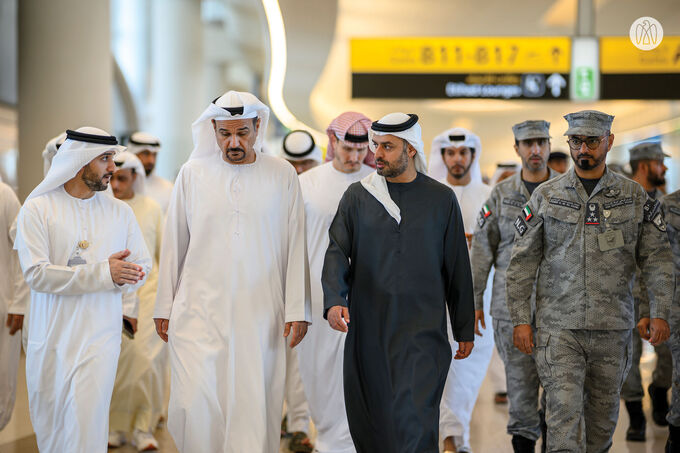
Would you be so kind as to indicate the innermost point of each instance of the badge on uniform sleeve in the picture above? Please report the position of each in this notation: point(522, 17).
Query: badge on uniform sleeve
point(483, 214)
point(659, 222)
point(527, 213)
point(650, 209)
point(486, 211)
point(593, 214)
point(520, 226)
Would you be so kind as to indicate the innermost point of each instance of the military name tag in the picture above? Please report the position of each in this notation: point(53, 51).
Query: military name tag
point(516, 203)
point(565, 203)
point(593, 214)
point(520, 226)
point(610, 240)
point(617, 203)
point(75, 261)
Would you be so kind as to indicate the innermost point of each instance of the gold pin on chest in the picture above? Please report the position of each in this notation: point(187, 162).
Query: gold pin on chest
point(83, 244)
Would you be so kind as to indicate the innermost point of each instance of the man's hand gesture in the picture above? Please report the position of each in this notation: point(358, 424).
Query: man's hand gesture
point(338, 317)
point(523, 337)
point(655, 330)
point(296, 330)
point(14, 322)
point(122, 272)
point(162, 328)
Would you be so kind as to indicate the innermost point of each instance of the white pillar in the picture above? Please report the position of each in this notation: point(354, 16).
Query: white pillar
point(65, 75)
point(176, 81)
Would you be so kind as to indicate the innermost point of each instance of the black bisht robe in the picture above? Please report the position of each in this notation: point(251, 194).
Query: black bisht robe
point(397, 280)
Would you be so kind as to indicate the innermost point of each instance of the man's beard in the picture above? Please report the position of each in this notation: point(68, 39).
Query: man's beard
point(93, 182)
point(533, 165)
point(238, 158)
point(584, 163)
point(656, 181)
point(459, 175)
point(395, 169)
point(148, 171)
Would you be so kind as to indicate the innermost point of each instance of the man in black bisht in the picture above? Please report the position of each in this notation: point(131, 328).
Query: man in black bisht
point(397, 258)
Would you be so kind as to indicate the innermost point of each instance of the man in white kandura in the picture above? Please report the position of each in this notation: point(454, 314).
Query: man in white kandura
point(142, 378)
point(233, 283)
point(454, 161)
point(14, 296)
point(321, 354)
point(146, 147)
point(80, 250)
point(299, 148)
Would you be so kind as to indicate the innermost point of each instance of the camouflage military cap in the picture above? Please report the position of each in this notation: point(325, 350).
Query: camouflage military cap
point(531, 129)
point(590, 123)
point(647, 151)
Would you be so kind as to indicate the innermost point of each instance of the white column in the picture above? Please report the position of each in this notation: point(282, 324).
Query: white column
point(176, 80)
point(65, 75)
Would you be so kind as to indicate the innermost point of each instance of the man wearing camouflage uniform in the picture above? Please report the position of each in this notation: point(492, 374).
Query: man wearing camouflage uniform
point(671, 206)
point(491, 246)
point(647, 162)
point(584, 233)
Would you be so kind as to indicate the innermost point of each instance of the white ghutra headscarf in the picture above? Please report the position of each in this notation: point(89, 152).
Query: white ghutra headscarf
point(455, 137)
point(407, 128)
point(79, 149)
point(233, 105)
point(125, 160)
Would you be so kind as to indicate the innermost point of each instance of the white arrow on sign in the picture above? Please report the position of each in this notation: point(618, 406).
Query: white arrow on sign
point(556, 82)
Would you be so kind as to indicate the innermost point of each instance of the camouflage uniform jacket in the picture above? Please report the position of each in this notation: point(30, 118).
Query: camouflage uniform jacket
point(493, 238)
point(671, 208)
point(585, 277)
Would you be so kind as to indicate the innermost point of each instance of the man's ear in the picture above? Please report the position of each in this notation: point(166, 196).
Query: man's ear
point(516, 149)
point(257, 124)
point(611, 141)
point(214, 124)
point(411, 151)
point(134, 176)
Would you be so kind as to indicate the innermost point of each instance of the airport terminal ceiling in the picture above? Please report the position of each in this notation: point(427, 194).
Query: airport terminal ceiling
point(323, 45)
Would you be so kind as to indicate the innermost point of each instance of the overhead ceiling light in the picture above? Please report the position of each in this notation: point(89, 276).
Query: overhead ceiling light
point(277, 71)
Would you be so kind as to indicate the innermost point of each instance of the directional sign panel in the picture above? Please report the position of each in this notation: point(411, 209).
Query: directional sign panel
point(627, 72)
point(465, 67)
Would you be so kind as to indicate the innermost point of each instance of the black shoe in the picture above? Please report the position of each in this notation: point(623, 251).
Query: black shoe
point(638, 423)
point(659, 396)
point(521, 444)
point(673, 442)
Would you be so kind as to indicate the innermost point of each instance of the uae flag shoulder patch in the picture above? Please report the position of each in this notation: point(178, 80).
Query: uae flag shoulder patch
point(527, 213)
point(486, 211)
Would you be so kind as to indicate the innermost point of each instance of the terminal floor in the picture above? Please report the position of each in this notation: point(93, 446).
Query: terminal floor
point(487, 430)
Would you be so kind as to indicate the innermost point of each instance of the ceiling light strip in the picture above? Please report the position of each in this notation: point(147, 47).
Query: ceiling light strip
point(277, 71)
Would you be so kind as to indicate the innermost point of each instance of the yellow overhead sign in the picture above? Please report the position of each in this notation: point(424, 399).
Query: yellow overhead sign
point(459, 55)
point(618, 55)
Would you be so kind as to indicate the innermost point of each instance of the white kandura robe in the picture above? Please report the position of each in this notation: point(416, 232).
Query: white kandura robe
point(14, 296)
point(322, 351)
point(296, 407)
point(143, 374)
point(233, 270)
point(466, 376)
point(158, 189)
point(76, 313)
